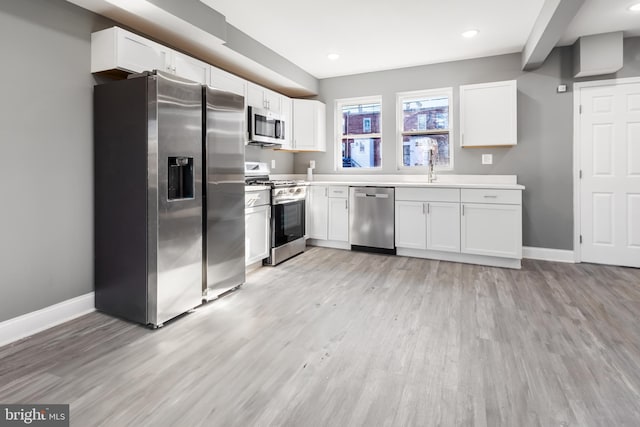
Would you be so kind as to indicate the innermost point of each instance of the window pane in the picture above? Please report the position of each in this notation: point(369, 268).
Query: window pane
point(360, 119)
point(361, 153)
point(426, 114)
point(415, 150)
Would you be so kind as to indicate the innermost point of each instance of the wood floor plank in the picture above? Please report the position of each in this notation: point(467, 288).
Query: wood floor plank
point(339, 338)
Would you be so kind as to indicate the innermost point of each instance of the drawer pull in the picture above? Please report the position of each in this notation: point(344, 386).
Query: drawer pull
point(487, 196)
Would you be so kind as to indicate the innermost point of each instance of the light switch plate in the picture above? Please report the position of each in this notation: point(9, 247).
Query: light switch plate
point(487, 159)
point(312, 164)
point(273, 163)
point(562, 88)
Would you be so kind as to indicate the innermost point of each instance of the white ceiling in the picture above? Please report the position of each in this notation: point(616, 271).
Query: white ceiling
point(372, 35)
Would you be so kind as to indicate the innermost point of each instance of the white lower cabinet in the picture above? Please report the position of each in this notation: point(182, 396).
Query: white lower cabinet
point(318, 212)
point(479, 226)
point(257, 226)
point(338, 221)
point(428, 218)
point(492, 229)
point(443, 226)
point(411, 225)
point(491, 222)
point(328, 213)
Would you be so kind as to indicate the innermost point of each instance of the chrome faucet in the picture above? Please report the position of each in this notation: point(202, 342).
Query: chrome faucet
point(433, 152)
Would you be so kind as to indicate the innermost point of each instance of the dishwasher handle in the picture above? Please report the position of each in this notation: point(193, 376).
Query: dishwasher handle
point(379, 196)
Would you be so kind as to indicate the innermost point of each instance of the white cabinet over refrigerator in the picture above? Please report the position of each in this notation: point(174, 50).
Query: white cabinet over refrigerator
point(122, 50)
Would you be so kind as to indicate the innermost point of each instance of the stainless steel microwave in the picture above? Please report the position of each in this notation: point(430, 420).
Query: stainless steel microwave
point(265, 128)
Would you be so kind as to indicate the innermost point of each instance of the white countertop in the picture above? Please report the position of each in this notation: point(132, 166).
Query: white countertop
point(502, 182)
point(421, 184)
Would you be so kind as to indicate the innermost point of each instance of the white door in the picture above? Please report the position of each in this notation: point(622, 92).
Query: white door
point(256, 224)
point(220, 79)
point(491, 229)
point(191, 68)
point(318, 212)
point(609, 147)
point(338, 227)
point(255, 96)
point(411, 224)
point(443, 226)
point(138, 54)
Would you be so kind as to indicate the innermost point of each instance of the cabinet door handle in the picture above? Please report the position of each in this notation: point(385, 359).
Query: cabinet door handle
point(326, 191)
point(346, 203)
point(462, 210)
point(428, 209)
point(423, 209)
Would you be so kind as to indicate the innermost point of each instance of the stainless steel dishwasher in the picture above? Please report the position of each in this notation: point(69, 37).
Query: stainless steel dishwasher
point(371, 219)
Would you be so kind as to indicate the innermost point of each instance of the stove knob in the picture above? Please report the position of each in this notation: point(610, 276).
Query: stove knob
point(298, 190)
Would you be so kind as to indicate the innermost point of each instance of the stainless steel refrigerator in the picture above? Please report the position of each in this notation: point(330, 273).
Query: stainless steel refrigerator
point(148, 197)
point(224, 232)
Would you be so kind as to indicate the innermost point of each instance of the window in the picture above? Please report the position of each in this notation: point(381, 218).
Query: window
point(359, 133)
point(424, 127)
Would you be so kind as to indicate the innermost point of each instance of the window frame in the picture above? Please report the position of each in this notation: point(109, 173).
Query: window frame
point(400, 133)
point(338, 136)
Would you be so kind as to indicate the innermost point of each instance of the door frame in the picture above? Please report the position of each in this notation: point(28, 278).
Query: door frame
point(577, 90)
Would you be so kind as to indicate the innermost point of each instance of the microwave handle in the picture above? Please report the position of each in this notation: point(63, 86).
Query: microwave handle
point(279, 129)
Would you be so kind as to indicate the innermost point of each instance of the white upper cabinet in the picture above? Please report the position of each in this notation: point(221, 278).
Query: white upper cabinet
point(260, 97)
point(489, 114)
point(287, 116)
point(190, 68)
point(273, 101)
point(117, 49)
point(223, 80)
point(309, 125)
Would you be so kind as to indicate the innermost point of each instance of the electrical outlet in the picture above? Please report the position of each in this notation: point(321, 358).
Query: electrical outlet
point(562, 88)
point(487, 159)
point(312, 164)
point(273, 164)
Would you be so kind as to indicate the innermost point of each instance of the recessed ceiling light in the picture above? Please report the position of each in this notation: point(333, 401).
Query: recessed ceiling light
point(333, 56)
point(470, 33)
point(635, 7)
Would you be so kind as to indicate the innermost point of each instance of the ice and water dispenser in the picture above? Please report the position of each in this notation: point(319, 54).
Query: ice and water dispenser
point(181, 179)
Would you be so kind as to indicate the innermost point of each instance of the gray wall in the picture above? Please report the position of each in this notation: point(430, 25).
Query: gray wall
point(542, 159)
point(46, 220)
point(284, 160)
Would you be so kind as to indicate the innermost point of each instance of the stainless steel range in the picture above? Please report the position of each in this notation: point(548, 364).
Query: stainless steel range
point(287, 212)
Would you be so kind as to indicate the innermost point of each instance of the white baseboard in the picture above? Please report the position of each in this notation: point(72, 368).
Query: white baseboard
point(334, 244)
point(546, 254)
point(31, 323)
point(490, 261)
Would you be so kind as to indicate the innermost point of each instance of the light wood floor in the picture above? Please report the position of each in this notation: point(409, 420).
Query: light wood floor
point(335, 338)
